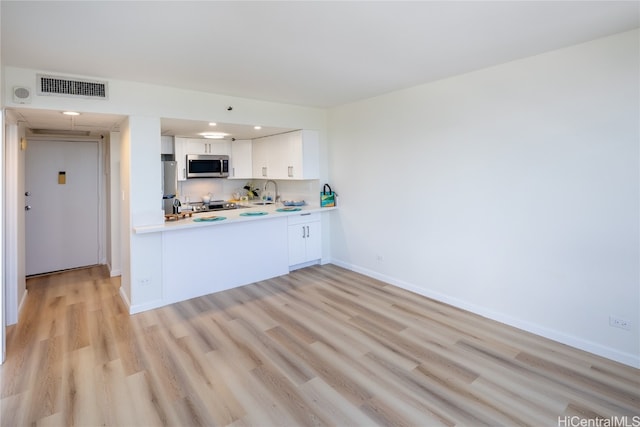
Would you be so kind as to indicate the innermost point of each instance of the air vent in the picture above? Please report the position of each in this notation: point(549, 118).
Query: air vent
point(60, 132)
point(61, 86)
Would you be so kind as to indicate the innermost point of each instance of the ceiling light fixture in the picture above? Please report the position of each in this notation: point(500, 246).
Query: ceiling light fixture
point(213, 124)
point(214, 135)
point(70, 113)
point(257, 127)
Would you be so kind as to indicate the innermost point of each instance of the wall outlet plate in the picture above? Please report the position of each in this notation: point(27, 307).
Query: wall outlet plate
point(619, 322)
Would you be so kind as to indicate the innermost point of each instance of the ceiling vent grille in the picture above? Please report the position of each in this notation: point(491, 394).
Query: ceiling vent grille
point(55, 85)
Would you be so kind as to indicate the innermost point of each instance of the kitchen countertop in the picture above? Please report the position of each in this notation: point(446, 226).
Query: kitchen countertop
point(232, 217)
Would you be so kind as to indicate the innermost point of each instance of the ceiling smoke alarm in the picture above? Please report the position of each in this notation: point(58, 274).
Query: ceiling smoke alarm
point(21, 95)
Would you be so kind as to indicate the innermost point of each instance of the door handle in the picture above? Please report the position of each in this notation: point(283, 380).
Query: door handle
point(27, 193)
point(27, 208)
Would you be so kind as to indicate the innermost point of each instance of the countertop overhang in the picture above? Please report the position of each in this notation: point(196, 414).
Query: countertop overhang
point(232, 217)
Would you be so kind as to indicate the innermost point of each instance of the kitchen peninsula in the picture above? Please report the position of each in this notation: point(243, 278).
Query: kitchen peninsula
point(203, 257)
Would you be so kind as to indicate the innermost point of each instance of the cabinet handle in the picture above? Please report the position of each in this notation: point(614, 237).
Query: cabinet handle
point(290, 171)
point(264, 171)
point(303, 236)
point(307, 231)
point(184, 173)
point(233, 172)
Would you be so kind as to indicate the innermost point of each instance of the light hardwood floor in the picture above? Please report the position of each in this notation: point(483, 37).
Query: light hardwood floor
point(320, 346)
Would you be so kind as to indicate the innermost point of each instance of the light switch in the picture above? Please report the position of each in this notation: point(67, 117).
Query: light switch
point(62, 177)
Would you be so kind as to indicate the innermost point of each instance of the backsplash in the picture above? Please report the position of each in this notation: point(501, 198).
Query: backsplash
point(223, 189)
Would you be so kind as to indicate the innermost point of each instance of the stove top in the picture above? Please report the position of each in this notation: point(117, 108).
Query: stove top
point(216, 205)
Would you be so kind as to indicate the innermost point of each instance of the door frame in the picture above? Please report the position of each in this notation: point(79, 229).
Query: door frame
point(14, 274)
point(3, 322)
point(100, 182)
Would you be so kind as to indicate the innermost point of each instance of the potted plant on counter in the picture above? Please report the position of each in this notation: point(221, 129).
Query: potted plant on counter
point(252, 191)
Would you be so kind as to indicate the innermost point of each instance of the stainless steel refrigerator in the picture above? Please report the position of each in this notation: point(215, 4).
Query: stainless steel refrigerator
point(170, 187)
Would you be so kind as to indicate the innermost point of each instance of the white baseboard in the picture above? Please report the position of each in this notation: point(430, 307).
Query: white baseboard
point(139, 308)
point(125, 299)
point(303, 265)
point(21, 304)
point(629, 359)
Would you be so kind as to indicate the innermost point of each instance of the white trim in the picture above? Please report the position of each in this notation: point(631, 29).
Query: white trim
point(123, 295)
point(114, 273)
point(3, 322)
point(139, 308)
point(22, 301)
point(11, 242)
point(629, 359)
point(304, 264)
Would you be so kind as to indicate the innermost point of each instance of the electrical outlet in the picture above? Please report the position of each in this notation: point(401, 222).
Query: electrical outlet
point(145, 281)
point(379, 258)
point(618, 322)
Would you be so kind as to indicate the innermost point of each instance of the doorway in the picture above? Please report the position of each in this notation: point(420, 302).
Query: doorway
point(62, 218)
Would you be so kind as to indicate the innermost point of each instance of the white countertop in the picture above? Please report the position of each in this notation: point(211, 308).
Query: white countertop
point(232, 217)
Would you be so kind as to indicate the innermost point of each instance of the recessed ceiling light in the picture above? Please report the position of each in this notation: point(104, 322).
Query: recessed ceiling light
point(257, 127)
point(213, 124)
point(70, 113)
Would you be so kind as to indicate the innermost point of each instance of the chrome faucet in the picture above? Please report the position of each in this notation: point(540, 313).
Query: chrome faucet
point(264, 190)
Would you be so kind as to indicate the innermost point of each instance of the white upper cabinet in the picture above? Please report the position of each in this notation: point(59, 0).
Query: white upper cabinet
point(166, 146)
point(208, 146)
point(304, 155)
point(260, 153)
point(180, 147)
point(292, 155)
point(241, 159)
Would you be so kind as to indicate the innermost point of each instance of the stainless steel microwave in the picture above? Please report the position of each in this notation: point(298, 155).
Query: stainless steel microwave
point(207, 166)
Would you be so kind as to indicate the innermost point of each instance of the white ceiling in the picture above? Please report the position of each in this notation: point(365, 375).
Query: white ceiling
point(311, 53)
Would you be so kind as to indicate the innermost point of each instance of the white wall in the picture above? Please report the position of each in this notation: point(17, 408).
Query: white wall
point(144, 207)
point(512, 191)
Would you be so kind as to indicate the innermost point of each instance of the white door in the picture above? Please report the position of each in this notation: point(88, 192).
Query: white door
point(61, 224)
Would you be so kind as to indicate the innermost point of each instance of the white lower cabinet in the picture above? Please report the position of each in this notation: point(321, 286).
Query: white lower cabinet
point(305, 239)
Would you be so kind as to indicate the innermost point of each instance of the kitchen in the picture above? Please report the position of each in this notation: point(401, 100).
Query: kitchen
point(267, 218)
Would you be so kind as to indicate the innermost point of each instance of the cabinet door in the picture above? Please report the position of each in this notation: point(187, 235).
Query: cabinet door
point(197, 146)
point(305, 238)
point(278, 156)
point(207, 146)
point(304, 155)
point(300, 153)
point(166, 146)
point(297, 244)
point(241, 159)
point(180, 146)
point(313, 241)
point(259, 152)
point(220, 147)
